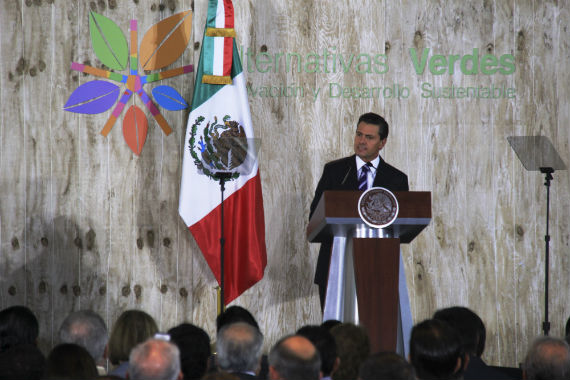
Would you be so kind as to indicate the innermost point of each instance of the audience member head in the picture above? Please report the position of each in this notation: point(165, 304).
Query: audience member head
point(155, 359)
point(567, 331)
point(24, 361)
point(235, 314)
point(87, 329)
point(238, 347)
point(470, 327)
point(194, 345)
point(70, 361)
point(547, 358)
point(323, 340)
point(386, 366)
point(131, 328)
point(18, 325)
point(330, 323)
point(436, 351)
point(353, 347)
point(294, 357)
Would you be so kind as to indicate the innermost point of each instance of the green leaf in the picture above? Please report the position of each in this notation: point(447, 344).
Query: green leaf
point(108, 41)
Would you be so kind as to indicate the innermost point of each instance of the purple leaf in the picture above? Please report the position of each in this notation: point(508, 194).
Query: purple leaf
point(92, 97)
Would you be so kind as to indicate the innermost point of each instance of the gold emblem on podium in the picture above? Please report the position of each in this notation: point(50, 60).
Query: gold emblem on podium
point(378, 207)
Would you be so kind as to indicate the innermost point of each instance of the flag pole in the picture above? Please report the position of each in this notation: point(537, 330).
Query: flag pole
point(222, 177)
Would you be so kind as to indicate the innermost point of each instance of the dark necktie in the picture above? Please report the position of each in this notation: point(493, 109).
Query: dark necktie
point(363, 176)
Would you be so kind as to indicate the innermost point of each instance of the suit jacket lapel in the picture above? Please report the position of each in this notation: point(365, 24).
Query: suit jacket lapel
point(380, 180)
point(352, 179)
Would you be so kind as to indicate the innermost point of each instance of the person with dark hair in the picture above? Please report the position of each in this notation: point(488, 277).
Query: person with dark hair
point(330, 323)
point(24, 361)
point(357, 172)
point(194, 345)
point(235, 314)
point(326, 345)
point(436, 351)
point(18, 325)
point(87, 329)
point(294, 357)
point(70, 361)
point(386, 366)
point(353, 347)
point(239, 350)
point(131, 328)
point(155, 359)
point(548, 358)
point(472, 333)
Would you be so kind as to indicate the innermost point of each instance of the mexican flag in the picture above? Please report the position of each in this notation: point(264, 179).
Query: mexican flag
point(218, 111)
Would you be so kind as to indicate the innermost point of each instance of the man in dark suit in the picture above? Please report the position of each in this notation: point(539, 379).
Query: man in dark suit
point(473, 334)
point(348, 174)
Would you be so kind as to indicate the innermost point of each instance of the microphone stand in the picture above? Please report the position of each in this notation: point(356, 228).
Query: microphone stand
point(547, 171)
point(222, 177)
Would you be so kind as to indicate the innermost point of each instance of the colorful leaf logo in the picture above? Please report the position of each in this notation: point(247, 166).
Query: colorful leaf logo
point(163, 44)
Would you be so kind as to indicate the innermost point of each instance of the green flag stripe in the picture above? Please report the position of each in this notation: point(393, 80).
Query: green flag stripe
point(204, 91)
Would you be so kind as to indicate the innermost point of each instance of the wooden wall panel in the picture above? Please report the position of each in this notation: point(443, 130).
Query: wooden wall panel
point(501, 324)
point(85, 223)
point(65, 280)
point(13, 175)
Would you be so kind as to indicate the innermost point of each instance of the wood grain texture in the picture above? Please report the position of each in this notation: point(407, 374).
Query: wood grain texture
point(84, 223)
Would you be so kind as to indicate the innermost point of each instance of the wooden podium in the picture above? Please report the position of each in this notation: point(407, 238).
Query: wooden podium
point(362, 285)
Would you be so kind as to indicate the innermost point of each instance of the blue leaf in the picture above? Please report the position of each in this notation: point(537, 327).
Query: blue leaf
point(167, 97)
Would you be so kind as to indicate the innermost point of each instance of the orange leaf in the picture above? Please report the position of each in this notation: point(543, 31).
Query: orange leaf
point(135, 127)
point(165, 41)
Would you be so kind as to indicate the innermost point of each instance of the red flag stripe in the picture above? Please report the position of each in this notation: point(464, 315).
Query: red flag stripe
point(243, 216)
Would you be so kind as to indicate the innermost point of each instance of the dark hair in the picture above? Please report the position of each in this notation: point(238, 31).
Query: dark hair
point(325, 344)
point(386, 365)
point(24, 361)
point(470, 327)
point(18, 325)
point(548, 358)
point(235, 314)
point(375, 119)
point(353, 347)
point(131, 328)
point(70, 361)
point(330, 323)
point(87, 329)
point(194, 345)
point(435, 348)
point(290, 365)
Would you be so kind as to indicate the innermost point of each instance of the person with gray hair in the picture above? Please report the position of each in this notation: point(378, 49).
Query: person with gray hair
point(155, 359)
point(87, 329)
point(238, 347)
point(547, 358)
point(294, 357)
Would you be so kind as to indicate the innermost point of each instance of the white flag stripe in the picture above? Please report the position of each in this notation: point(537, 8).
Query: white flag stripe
point(218, 64)
point(196, 200)
point(220, 15)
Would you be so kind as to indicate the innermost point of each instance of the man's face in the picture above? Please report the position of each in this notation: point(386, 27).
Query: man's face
point(367, 141)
